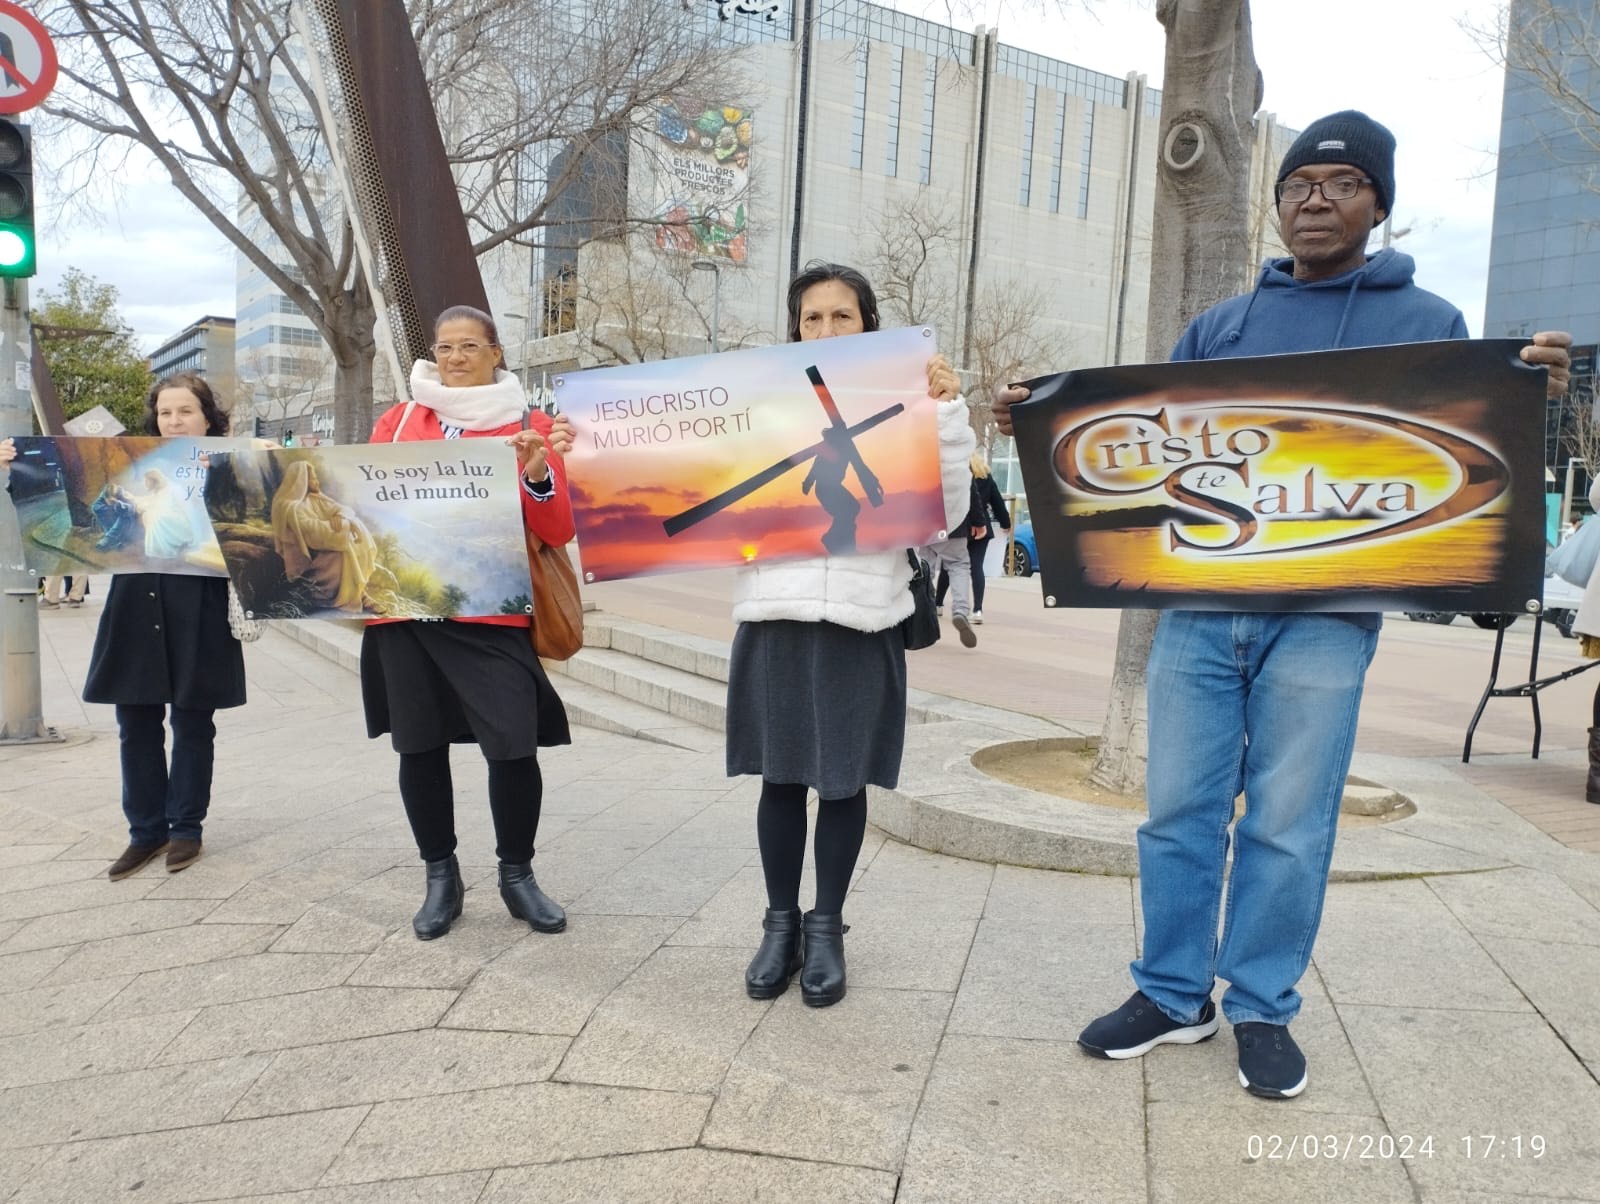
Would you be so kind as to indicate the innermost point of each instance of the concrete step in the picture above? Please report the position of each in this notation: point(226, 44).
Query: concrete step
point(595, 707)
point(685, 696)
point(694, 654)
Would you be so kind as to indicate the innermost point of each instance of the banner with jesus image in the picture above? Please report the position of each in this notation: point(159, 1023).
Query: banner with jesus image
point(1407, 477)
point(425, 530)
point(821, 448)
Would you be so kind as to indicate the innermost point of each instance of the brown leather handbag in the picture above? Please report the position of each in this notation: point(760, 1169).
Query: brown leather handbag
point(557, 604)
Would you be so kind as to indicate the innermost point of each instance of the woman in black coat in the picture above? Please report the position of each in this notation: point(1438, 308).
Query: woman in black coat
point(163, 641)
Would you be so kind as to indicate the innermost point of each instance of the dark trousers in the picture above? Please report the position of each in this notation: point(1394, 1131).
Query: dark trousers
point(164, 803)
point(976, 550)
point(516, 794)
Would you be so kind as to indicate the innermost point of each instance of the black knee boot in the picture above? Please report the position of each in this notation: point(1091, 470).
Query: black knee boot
point(822, 978)
point(526, 901)
point(780, 955)
point(442, 906)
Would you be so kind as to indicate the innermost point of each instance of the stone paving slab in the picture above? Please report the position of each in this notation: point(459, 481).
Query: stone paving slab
point(806, 1082)
point(1019, 1121)
point(691, 1177)
point(516, 1126)
point(137, 1101)
point(279, 1153)
point(422, 1064)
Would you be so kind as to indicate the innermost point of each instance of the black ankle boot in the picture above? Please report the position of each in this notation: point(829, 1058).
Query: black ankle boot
point(442, 906)
point(822, 978)
point(526, 901)
point(780, 955)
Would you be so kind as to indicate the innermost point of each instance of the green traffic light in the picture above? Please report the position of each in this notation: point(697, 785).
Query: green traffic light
point(13, 249)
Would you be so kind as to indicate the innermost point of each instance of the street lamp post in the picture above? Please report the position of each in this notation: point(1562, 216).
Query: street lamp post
point(714, 267)
point(527, 372)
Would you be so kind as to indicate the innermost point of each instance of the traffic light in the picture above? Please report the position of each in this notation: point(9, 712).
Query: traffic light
point(17, 243)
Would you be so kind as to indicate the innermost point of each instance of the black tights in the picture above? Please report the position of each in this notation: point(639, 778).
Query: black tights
point(516, 790)
point(781, 833)
point(1596, 698)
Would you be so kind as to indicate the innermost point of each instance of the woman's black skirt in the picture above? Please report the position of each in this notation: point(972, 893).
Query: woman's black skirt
point(428, 684)
point(817, 703)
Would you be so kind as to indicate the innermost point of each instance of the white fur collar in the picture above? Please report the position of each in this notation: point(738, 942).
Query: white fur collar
point(475, 408)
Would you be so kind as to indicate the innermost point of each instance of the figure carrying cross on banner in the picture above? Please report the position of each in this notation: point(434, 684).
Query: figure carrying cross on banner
point(830, 460)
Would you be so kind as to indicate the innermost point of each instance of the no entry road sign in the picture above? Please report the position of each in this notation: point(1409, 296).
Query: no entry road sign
point(27, 60)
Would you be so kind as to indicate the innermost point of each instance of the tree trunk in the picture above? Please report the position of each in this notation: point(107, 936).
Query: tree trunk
point(354, 345)
point(1200, 247)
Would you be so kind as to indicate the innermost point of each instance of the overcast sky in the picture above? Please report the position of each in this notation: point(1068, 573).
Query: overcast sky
point(1407, 63)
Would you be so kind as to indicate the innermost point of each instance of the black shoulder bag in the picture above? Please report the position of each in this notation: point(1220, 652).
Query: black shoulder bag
point(921, 627)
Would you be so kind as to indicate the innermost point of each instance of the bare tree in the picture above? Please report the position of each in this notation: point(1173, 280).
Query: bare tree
point(916, 267)
point(1211, 88)
point(1555, 45)
point(915, 261)
point(280, 385)
point(634, 304)
point(1010, 341)
point(218, 93)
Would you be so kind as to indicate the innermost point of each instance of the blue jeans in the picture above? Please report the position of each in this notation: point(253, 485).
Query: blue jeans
point(1266, 704)
point(164, 805)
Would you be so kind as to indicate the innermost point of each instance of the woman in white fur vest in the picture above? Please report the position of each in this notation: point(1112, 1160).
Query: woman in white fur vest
point(817, 683)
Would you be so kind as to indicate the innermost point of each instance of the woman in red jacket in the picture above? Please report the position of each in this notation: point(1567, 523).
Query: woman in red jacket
point(472, 681)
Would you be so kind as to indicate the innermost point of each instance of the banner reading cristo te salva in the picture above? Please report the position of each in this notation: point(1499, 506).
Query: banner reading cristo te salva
point(393, 530)
point(803, 449)
point(1391, 478)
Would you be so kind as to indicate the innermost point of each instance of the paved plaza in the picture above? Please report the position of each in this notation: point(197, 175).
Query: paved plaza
point(265, 1026)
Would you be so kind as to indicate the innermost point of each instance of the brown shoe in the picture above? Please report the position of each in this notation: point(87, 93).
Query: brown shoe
point(134, 858)
point(181, 854)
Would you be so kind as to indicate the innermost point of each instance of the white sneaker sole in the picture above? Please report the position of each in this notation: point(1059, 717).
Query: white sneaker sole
point(1263, 1093)
point(1192, 1035)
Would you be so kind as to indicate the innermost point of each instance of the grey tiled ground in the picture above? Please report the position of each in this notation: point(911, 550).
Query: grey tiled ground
point(264, 1026)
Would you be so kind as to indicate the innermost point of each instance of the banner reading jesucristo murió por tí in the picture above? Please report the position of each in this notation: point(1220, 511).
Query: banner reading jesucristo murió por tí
point(1391, 478)
point(775, 453)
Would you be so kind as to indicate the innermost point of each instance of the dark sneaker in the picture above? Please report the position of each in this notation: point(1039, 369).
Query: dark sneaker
point(134, 858)
point(1270, 1063)
point(181, 854)
point(969, 637)
point(1138, 1026)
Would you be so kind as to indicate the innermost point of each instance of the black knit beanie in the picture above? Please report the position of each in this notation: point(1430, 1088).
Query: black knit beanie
point(1347, 137)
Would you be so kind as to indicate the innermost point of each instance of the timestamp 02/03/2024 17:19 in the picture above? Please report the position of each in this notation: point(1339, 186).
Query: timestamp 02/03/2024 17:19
point(1341, 1147)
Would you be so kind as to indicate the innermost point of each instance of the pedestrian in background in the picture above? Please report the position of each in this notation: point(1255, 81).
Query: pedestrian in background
point(988, 507)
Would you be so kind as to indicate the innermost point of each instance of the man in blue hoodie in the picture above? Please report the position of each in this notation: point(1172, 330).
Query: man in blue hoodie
point(1267, 703)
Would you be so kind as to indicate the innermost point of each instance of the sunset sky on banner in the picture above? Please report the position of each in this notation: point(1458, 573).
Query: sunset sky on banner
point(655, 440)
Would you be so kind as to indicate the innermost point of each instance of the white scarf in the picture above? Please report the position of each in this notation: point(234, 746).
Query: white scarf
point(473, 408)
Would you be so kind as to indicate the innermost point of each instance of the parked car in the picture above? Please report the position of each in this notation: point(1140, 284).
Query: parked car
point(1022, 553)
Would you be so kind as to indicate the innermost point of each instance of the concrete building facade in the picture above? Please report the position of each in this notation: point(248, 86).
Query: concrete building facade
point(206, 348)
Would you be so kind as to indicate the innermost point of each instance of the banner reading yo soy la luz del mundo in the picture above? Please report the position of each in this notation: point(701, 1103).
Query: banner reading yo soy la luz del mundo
point(419, 530)
point(775, 453)
point(116, 505)
point(1407, 477)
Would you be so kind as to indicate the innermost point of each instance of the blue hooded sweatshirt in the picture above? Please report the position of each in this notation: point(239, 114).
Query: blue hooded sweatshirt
point(1376, 304)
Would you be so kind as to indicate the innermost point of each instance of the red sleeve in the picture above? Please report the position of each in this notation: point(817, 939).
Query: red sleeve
point(383, 432)
point(550, 520)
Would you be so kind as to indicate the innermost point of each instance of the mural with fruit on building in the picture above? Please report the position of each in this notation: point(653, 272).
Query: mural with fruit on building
point(702, 177)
